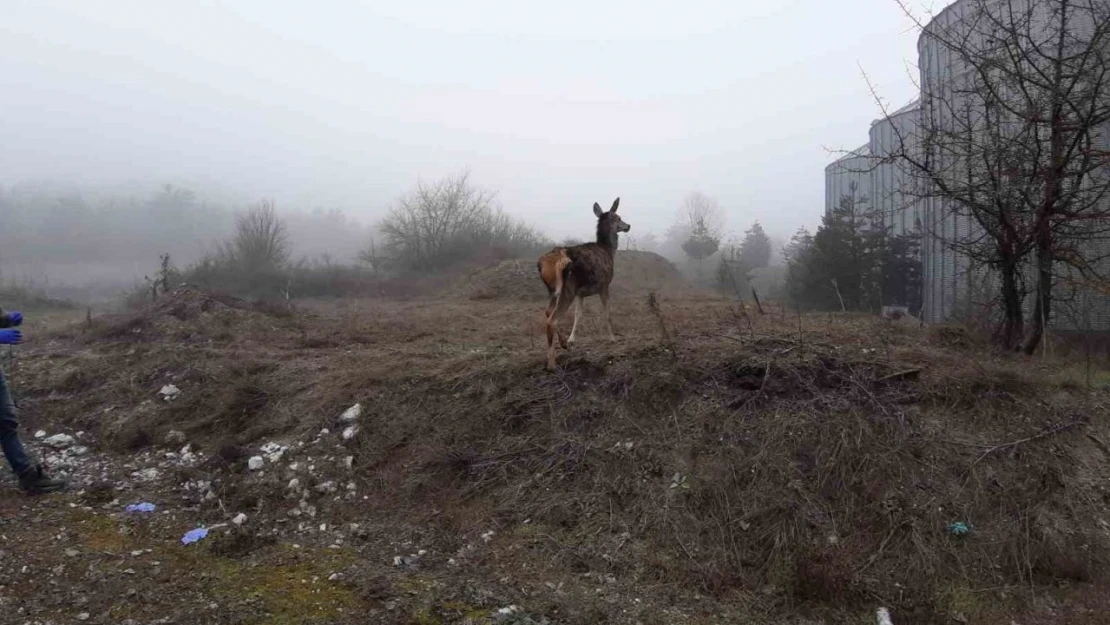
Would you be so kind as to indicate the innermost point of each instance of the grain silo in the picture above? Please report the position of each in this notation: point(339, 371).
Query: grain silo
point(952, 110)
point(849, 176)
point(893, 195)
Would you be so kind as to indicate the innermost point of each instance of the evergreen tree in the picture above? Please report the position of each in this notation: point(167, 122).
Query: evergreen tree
point(755, 249)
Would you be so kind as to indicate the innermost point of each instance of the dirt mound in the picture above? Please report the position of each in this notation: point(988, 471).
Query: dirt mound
point(636, 273)
point(752, 467)
point(188, 314)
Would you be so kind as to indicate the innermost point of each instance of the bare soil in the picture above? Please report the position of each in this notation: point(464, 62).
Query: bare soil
point(713, 465)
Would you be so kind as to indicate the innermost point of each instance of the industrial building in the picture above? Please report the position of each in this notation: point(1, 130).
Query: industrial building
point(953, 286)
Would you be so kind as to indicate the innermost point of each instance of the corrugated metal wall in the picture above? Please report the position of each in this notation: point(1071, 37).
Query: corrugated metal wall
point(952, 286)
point(892, 181)
point(840, 175)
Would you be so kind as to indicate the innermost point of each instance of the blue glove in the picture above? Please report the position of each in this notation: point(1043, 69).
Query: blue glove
point(15, 318)
point(11, 337)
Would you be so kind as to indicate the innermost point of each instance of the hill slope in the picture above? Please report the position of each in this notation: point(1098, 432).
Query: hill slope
point(710, 466)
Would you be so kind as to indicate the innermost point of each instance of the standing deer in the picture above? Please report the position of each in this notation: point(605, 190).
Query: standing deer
point(572, 273)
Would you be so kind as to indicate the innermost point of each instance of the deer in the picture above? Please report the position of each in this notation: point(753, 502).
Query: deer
point(579, 271)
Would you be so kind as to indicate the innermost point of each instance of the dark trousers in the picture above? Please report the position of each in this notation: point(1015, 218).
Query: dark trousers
point(9, 434)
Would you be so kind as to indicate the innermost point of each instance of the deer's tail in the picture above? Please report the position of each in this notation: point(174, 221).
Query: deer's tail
point(553, 267)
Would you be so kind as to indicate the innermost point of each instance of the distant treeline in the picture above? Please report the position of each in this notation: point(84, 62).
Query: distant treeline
point(61, 235)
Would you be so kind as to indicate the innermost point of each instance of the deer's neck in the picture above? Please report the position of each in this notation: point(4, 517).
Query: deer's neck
point(608, 240)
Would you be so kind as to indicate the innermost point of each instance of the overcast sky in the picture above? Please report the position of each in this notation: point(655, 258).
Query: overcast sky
point(553, 105)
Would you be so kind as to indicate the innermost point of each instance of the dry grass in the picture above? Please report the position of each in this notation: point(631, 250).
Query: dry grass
point(778, 461)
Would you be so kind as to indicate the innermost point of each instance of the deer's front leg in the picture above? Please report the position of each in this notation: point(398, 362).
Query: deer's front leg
point(605, 308)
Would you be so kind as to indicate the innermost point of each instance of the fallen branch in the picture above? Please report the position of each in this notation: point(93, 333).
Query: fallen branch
point(900, 375)
point(1101, 443)
point(1050, 432)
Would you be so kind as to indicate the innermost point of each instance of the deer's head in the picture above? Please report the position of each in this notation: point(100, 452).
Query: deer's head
point(609, 224)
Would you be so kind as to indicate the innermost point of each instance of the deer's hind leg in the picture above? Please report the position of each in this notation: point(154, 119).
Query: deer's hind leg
point(574, 326)
point(555, 309)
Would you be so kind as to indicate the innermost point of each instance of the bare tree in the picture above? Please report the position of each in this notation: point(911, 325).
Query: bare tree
point(261, 242)
point(449, 220)
point(703, 221)
point(1012, 142)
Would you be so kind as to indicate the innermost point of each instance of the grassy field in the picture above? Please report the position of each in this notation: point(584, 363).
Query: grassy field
point(713, 465)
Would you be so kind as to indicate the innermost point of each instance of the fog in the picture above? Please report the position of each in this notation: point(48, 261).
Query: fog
point(345, 105)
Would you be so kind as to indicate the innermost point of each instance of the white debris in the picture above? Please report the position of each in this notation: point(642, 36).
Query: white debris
point(274, 451)
point(882, 616)
point(255, 463)
point(175, 437)
point(349, 462)
point(169, 392)
point(294, 484)
point(147, 475)
point(239, 519)
point(84, 616)
point(187, 455)
point(509, 611)
point(40, 434)
point(488, 536)
point(325, 432)
point(334, 577)
point(350, 432)
point(326, 487)
point(351, 414)
point(59, 441)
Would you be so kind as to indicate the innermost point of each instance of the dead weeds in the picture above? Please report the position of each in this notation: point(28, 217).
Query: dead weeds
point(802, 460)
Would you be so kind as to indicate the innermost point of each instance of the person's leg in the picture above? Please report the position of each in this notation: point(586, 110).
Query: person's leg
point(32, 478)
point(9, 431)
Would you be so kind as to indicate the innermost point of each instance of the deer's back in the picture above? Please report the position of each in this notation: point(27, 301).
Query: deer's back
point(591, 268)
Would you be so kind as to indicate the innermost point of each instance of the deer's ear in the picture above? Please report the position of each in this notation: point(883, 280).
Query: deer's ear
point(616, 203)
point(597, 209)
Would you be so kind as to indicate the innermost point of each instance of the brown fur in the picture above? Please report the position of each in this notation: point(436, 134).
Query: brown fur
point(571, 273)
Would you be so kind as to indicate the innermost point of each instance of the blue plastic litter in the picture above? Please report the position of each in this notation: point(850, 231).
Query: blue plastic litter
point(193, 536)
point(959, 528)
point(140, 507)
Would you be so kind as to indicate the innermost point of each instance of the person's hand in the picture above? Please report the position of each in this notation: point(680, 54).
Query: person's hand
point(15, 318)
point(11, 337)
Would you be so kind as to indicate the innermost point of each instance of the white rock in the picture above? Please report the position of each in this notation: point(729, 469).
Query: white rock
point(272, 447)
point(79, 451)
point(59, 441)
point(169, 392)
point(350, 432)
point(255, 463)
point(882, 616)
point(175, 437)
point(84, 616)
point(349, 462)
point(40, 434)
point(239, 519)
point(326, 487)
point(294, 484)
point(351, 414)
point(147, 475)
